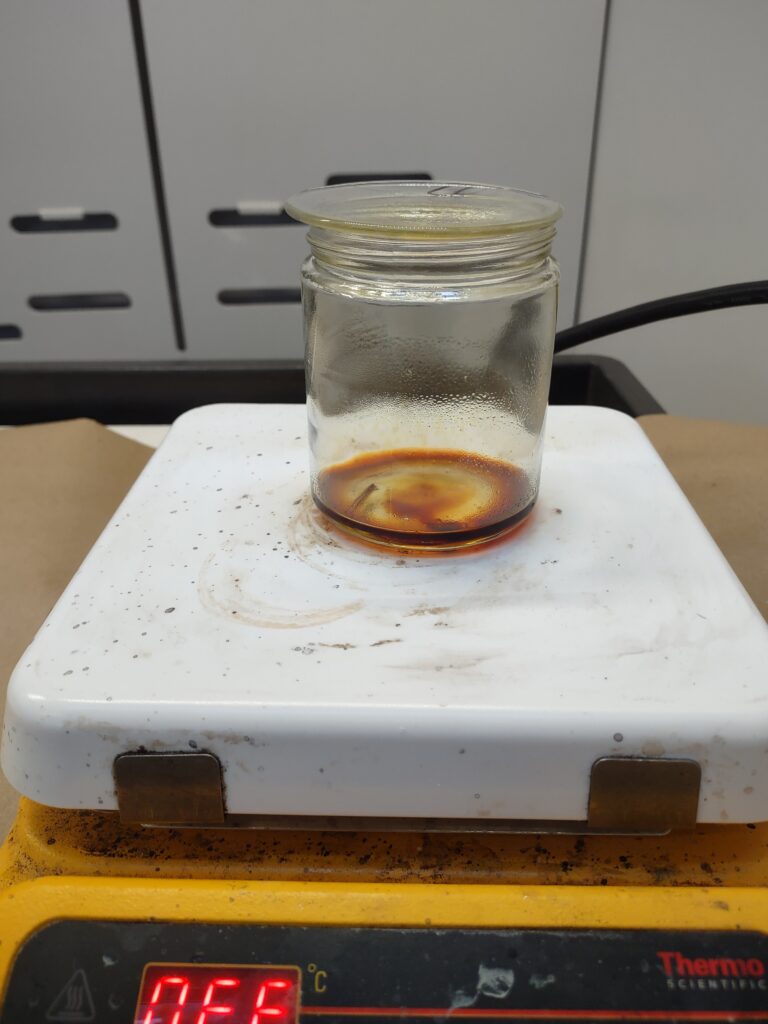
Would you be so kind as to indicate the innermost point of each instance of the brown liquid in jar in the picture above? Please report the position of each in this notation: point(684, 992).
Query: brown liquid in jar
point(423, 497)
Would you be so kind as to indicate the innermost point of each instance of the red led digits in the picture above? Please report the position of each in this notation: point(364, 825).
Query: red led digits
point(263, 1006)
point(207, 994)
point(221, 1011)
point(155, 1014)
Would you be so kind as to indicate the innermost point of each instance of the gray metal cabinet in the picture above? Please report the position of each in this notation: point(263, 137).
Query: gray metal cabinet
point(72, 142)
point(255, 101)
point(679, 199)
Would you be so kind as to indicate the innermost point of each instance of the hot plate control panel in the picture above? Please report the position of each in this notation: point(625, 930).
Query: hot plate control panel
point(163, 973)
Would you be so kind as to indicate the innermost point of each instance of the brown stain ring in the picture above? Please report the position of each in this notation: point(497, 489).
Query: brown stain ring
point(242, 608)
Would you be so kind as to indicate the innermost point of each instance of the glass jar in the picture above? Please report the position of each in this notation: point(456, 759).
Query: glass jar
point(429, 313)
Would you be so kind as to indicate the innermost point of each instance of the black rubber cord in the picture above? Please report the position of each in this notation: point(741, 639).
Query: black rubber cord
point(749, 293)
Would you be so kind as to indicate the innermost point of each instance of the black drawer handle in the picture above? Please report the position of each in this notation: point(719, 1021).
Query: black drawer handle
point(350, 179)
point(85, 300)
point(33, 223)
point(9, 332)
point(256, 296)
point(234, 218)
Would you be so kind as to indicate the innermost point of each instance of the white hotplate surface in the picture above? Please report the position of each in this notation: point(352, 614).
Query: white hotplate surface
point(219, 613)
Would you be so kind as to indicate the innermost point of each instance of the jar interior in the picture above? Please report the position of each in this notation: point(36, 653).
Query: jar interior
point(426, 419)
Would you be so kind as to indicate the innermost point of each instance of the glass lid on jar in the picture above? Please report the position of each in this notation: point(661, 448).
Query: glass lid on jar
point(423, 209)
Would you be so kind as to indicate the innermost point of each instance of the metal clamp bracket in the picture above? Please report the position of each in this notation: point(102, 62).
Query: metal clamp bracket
point(169, 789)
point(650, 795)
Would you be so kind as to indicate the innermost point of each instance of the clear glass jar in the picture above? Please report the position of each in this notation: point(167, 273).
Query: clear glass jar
point(429, 314)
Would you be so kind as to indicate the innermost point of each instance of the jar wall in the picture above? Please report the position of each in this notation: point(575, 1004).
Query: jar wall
point(437, 365)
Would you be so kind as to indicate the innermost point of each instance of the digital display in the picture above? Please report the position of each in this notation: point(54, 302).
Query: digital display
point(139, 972)
point(214, 993)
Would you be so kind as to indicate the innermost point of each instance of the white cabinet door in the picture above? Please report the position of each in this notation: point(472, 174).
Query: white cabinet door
point(73, 142)
point(257, 100)
point(680, 200)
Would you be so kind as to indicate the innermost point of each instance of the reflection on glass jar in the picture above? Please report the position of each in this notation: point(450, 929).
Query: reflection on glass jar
point(430, 318)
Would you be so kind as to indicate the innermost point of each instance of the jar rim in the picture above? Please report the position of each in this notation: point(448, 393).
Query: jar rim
point(424, 209)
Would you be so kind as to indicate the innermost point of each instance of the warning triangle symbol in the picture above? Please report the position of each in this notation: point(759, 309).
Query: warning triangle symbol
point(74, 1004)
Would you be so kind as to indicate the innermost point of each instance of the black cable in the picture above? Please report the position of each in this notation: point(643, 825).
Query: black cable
point(748, 293)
